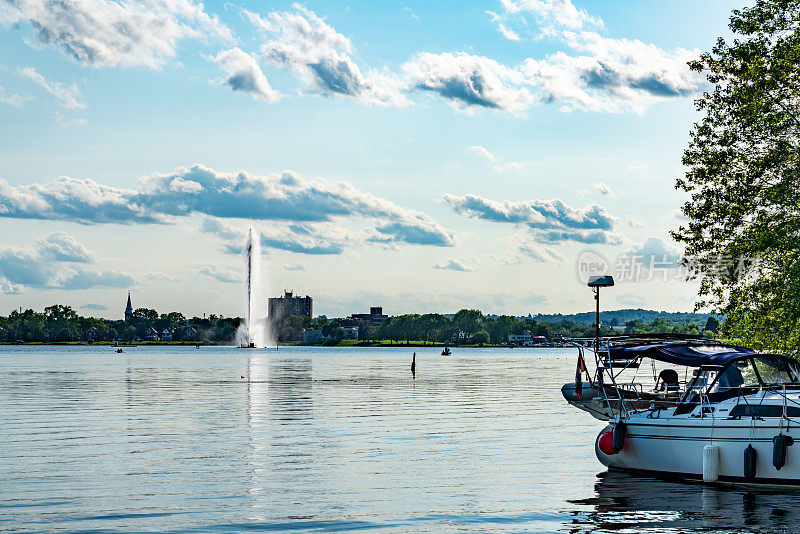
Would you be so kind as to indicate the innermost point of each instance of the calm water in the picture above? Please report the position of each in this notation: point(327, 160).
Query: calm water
point(228, 440)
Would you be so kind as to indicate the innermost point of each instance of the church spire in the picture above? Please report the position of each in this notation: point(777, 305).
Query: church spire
point(128, 308)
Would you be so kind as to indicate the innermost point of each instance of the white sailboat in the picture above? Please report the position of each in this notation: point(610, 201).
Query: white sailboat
point(686, 407)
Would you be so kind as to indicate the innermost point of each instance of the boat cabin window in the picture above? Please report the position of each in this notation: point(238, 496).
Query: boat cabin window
point(777, 371)
point(736, 375)
point(702, 379)
point(762, 410)
point(756, 372)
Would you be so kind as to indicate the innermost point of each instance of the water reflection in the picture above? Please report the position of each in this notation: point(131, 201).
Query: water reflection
point(290, 394)
point(227, 440)
point(639, 503)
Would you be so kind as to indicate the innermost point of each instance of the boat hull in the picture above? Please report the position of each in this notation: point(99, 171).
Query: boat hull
point(675, 449)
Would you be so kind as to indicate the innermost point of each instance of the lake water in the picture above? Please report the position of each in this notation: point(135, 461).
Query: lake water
point(163, 439)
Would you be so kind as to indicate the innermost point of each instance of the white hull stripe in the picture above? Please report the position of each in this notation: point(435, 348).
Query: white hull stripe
point(699, 438)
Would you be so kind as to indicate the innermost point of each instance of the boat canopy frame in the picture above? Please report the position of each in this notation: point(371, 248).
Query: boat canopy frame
point(690, 353)
point(615, 354)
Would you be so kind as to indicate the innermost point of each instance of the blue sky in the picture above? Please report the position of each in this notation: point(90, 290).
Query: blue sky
point(416, 155)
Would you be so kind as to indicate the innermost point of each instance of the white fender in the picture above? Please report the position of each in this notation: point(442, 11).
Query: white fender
point(710, 463)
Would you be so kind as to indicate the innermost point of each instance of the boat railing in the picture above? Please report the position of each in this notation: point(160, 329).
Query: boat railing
point(634, 387)
point(607, 369)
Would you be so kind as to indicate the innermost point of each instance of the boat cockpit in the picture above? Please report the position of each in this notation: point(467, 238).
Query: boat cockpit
point(672, 372)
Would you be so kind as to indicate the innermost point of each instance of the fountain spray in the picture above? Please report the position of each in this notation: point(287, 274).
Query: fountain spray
point(253, 331)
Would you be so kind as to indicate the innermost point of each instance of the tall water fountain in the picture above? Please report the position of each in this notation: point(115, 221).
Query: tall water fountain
point(253, 332)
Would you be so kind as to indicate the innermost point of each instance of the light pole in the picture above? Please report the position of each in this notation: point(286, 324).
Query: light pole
point(596, 282)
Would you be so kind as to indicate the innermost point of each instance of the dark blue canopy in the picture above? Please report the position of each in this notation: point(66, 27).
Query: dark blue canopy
point(690, 354)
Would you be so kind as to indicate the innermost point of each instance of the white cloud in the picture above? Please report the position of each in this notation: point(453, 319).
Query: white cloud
point(11, 99)
point(553, 13)
point(314, 239)
point(107, 33)
point(162, 197)
point(222, 274)
point(469, 81)
point(69, 97)
point(11, 289)
point(678, 214)
point(629, 299)
point(51, 263)
point(295, 267)
point(633, 222)
point(511, 166)
point(542, 254)
point(544, 214)
point(60, 246)
point(655, 254)
point(79, 279)
point(603, 189)
point(94, 307)
point(613, 75)
point(410, 13)
point(156, 276)
point(321, 57)
point(481, 151)
point(534, 298)
point(454, 264)
point(245, 75)
point(63, 121)
point(508, 33)
point(604, 75)
point(69, 199)
point(551, 221)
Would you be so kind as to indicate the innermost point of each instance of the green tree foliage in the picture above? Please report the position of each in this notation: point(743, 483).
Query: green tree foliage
point(466, 323)
point(62, 324)
point(712, 325)
point(473, 328)
point(743, 176)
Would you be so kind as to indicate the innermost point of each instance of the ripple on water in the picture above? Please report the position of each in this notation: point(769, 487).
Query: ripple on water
point(325, 440)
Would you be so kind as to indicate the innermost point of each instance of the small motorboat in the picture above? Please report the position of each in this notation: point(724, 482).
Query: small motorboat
point(119, 351)
point(446, 351)
point(711, 411)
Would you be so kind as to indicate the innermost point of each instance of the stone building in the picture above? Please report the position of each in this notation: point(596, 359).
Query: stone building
point(288, 305)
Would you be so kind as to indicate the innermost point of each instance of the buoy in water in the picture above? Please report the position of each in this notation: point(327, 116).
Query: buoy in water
point(750, 457)
point(414, 365)
point(604, 443)
point(779, 445)
point(710, 463)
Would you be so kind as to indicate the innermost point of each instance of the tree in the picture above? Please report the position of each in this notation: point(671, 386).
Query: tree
point(500, 328)
point(466, 323)
point(129, 333)
point(430, 326)
point(331, 327)
point(404, 327)
point(64, 335)
point(712, 324)
point(480, 338)
point(743, 176)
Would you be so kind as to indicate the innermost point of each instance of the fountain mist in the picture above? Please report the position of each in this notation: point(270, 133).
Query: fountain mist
point(253, 332)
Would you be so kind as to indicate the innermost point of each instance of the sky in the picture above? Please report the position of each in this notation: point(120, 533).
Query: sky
point(420, 156)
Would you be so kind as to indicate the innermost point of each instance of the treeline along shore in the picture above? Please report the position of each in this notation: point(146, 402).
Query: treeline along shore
point(62, 324)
